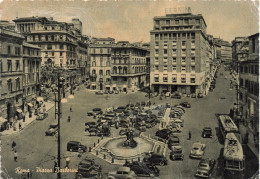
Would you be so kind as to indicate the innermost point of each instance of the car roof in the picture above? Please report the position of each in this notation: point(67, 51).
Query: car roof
point(126, 169)
point(74, 142)
point(197, 144)
point(204, 161)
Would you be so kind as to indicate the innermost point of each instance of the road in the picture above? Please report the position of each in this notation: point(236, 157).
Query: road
point(37, 150)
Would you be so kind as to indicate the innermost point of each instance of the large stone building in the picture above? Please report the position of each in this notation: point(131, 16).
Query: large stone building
point(128, 66)
point(62, 43)
point(179, 54)
point(19, 65)
point(100, 63)
point(249, 94)
point(226, 52)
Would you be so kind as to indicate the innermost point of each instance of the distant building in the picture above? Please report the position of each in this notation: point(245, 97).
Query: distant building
point(179, 54)
point(240, 47)
point(226, 52)
point(249, 93)
point(100, 63)
point(128, 66)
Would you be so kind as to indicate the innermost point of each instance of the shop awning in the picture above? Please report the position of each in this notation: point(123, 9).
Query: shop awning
point(30, 104)
point(39, 99)
point(19, 110)
point(107, 85)
point(2, 120)
point(124, 86)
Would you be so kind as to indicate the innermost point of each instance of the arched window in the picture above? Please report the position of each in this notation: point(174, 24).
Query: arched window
point(125, 70)
point(94, 63)
point(115, 70)
point(108, 63)
point(101, 72)
point(120, 69)
point(93, 72)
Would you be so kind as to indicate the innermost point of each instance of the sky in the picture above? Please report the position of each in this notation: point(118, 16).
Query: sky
point(132, 20)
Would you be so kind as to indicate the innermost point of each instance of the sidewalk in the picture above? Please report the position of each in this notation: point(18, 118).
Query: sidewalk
point(48, 106)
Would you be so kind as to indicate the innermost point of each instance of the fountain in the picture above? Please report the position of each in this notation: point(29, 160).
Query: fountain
point(130, 142)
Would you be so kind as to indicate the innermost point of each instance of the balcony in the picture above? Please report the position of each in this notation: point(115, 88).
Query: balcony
point(174, 54)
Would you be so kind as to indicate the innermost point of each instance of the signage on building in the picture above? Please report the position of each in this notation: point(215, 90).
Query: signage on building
point(178, 10)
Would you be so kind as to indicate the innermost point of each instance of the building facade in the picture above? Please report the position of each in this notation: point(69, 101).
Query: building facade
point(178, 53)
point(226, 52)
point(249, 94)
point(128, 66)
point(100, 63)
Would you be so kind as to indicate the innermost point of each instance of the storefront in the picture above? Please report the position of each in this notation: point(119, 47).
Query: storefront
point(108, 87)
point(124, 88)
point(114, 87)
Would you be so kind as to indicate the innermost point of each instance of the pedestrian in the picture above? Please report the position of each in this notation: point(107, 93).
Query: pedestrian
point(70, 108)
point(67, 162)
point(13, 145)
point(189, 135)
point(68, 118)
point(55, 166)
point(20, 126)
point(15, 156)
point(23, 118)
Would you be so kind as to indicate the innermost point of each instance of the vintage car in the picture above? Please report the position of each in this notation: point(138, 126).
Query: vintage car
point(156, 159)
point(164, 133)
point(205, 168)
point(185, 104)
point(143, 169)
point(74, 146)
point(176, 153)
point(122, 173)
point(42, 116)
point(198, 150)
point(53, 129)
point(207, 132)
point(87, 169)
point(99, 93)
point(176, 96)
point(173, 141)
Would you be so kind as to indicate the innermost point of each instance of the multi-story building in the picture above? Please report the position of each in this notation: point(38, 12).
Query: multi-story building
point(31, 75)
point(100, 63)
point(128, 66)
point(239, 49)
point(249, 93)
point(178, 53)
point(11, 66)
point(226, 52)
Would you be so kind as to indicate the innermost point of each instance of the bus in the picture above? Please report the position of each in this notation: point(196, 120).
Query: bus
point(227, 125)
point(234, 159)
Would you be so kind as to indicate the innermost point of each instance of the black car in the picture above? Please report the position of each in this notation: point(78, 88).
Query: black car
point(185, 104)
point(173, 141)
point(97, 111)
point(207, 132)
point(74, 146)
point(143, 169)
point(87, 168)
point(155, 159)
point(176, 96)
point(164, 133)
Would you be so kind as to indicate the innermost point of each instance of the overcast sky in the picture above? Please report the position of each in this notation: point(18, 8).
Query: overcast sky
point(132, 20)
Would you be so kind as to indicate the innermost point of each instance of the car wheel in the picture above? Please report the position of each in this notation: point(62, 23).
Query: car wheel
point(162, 163)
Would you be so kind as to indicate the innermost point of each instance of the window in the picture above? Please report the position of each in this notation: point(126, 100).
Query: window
point(52, 53)
point(94, 63)
point(18, 84)
point(183, 35)
point(192, 68)
point(192, 78)
point(165, 44)
point(17, 50)
point(61, 37)
point(61, 46)
point(241, 96)
point(17, 65)
point(174, 36)
point(156, 44)
point(156, 78)
point(193, 60)
point(176, 21)
point(186, 21)
point(174, 78)
point(183, 52)
point(156, 67)
point(49, 47)
point(183, 43)
point(9, 85)
point(52, 37)
point(108, 72)
point(156, 36)
point(156, 60)
point(9, 65)
point(241, 82)
point(183, 78)
point(174, 68)
point(165, 51)
point(183, 60)
point(156, 51)
point(167, 22)
point(101, 50)
point(93, 72)
point(101, 72)
point(165, 78)
point(174, 60)
point(165, 67)
point(8, 49)
point(174, 51)
point(61, 54)
point(197, 21)
point(192, 35)
point(183, 68)
point(46, 37)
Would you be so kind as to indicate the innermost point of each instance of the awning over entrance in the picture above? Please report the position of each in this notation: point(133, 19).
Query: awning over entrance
point(39, 99)
point(19, 110)
point(30, 104)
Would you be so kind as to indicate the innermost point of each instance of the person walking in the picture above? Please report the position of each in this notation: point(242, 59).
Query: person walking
point(13, 145)
point(55, 166)
point(15, 156)
point(20, 126)
point(67, 162)
point(68, 118)
point(189, 135)
point(70, 108)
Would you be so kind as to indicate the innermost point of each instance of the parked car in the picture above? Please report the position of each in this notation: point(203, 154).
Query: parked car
point(143, 169)
point(122, 173)
point(97, 111)
point(167, 94)
point(99, 93)
point(141, 126)
point(42, 116)
point(89, 125)
point(87, 168)
point(164, 133)
point(176, 96)
point(176, 153)
point(53, 129)
point(173, 141)
point(200, 95)
point(90, 113)
point(207, 132)
point(74, 146)
point(185, 104)
point(198, 150)
point(156, 159)
point(205, 168)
